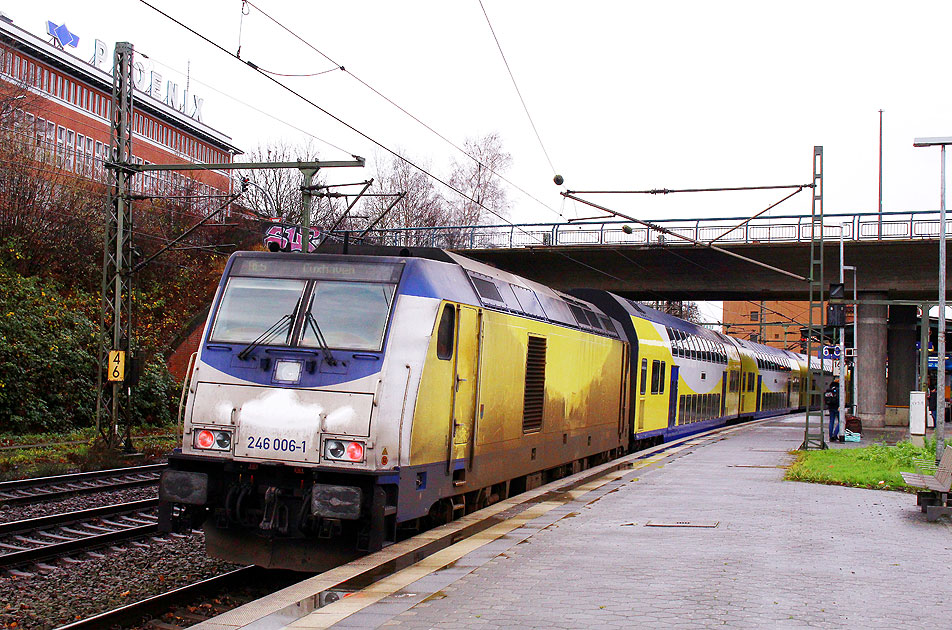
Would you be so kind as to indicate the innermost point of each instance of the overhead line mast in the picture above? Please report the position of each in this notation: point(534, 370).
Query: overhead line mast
point(114, 397)
point(115, 314)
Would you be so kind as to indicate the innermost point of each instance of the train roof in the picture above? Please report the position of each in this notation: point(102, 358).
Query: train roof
point(478, 283)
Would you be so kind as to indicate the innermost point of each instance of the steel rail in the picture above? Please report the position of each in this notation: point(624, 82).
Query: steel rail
point(78, 539)
point(42, 488)
point(67, 518)
point(136, 610)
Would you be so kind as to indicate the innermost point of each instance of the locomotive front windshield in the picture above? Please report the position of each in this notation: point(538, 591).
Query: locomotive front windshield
point(252, 306)
point(350, 315)
point(315, 309)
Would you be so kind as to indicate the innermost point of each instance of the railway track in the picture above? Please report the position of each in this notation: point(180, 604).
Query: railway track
point(184, 606)
point(42, 488)
point(36, 539)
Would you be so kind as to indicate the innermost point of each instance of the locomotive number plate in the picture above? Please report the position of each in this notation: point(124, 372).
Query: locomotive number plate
point(282, 445)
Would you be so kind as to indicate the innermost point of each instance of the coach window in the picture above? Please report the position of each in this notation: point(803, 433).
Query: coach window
point(655, 377)
point(444, 334)
point(661, 378)
point(644, 375)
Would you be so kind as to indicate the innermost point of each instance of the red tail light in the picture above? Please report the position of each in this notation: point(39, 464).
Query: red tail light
point(205, 439)
point(355, 452)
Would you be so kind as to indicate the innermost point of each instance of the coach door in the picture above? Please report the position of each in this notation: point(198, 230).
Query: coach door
point(466, 389)
point(724, 394)
point(673, 396)
point(760, 383)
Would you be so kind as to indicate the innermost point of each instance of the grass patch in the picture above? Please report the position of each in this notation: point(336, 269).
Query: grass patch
point(36, 455)
point(875, 466)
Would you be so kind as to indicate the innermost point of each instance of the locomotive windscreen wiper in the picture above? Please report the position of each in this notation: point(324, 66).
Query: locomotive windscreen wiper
point(267, 335)
point(312, 321)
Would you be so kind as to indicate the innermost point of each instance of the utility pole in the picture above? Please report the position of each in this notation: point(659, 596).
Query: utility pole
point(815, 436)
point(940, 368)
point(880, 223)
point(115, 315)
point(114, 398)
point(762, 336)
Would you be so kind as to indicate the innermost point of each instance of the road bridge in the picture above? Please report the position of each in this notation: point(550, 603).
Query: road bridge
point(895, 255)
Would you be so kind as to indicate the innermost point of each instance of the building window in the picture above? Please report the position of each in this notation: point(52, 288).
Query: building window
point(100, 154)
point(754, 316)
point(70, 140)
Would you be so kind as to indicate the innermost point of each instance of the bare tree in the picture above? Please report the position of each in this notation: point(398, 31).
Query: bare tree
point(685, 310)
point(422, 205)
point(276, 193)
point(49, 212)
point(478, 177)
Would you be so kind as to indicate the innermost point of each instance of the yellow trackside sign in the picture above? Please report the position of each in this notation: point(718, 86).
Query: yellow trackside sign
point(117, 365)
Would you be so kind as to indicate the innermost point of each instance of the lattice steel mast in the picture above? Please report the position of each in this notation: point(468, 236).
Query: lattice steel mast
point(813, 435)
point(115, 316)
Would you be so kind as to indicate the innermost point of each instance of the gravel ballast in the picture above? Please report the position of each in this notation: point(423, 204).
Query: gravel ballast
point(111, 578)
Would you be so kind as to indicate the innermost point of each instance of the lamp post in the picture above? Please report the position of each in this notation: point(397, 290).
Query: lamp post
point(940, 385)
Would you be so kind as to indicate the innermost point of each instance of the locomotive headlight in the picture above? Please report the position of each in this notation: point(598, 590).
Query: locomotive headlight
point(344, 450)
point(210, 439)
point(287, 371)
point(334, 449)
point(223, 440)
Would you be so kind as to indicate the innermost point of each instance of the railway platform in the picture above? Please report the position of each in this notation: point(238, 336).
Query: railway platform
point(701, 534)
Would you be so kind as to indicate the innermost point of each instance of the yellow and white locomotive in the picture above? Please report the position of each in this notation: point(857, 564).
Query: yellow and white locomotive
point(338, 399)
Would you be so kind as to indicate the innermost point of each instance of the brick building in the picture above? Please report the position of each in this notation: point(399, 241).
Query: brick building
point(63, 110)
point(775, 323)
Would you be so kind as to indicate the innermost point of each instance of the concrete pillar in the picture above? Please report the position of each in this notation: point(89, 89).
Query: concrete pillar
point(901, 348)
point(871, 360)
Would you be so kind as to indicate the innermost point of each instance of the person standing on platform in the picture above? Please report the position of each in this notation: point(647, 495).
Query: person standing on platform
point(932, 399)
point(831, 398)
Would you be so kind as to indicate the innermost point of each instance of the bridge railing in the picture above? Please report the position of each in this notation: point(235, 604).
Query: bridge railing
point(868, 226)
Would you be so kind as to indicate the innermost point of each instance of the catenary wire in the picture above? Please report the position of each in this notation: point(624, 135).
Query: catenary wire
point(330, 115)
point(402, 109)
point(516, 85)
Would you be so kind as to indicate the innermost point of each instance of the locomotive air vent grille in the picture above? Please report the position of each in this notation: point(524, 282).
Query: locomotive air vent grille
point(534, 401)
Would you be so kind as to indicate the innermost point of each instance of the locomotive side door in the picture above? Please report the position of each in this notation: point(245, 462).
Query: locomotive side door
point(466, 382)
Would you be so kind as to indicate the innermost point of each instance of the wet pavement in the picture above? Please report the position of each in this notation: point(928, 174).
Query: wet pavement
point(705, 536)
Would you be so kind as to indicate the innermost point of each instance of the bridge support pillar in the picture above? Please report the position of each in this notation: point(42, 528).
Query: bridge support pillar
point(871, 360)
point(901, 348)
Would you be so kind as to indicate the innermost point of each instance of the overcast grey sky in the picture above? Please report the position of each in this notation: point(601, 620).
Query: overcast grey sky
point(624, 95)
